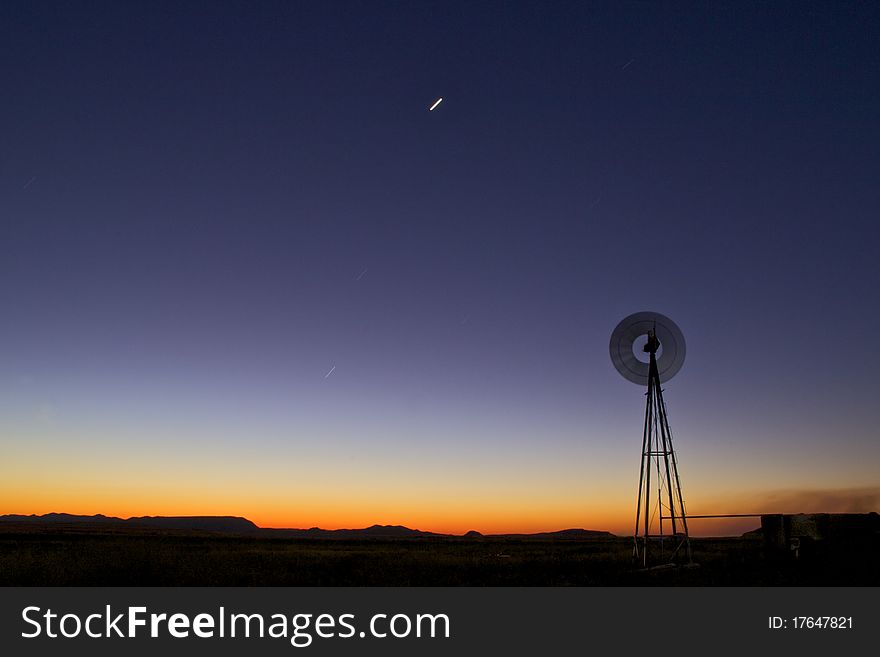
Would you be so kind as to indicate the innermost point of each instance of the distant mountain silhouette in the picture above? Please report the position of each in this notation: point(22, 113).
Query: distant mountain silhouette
point(237, 525)
point(562, 535)
point(375, 531)
point(231, 524)
point(228, 524)
point(64, 517)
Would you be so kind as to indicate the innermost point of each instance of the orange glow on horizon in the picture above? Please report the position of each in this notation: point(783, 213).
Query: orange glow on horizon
point(351, 499)
point(439, 523)
point(442, 522)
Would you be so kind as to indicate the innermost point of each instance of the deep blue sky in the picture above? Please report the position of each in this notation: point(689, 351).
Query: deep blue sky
point(204, 207)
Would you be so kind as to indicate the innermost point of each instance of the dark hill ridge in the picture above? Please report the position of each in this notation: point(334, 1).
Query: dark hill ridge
point(562, 535)
point(237, 525)
point(61, 517)
point(231, 524)
point(375, 531)
point(228, 524)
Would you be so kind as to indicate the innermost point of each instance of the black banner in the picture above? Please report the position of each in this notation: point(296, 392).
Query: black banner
point(435, 621)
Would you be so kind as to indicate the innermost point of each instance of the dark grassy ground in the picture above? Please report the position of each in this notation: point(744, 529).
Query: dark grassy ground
point(84, 557)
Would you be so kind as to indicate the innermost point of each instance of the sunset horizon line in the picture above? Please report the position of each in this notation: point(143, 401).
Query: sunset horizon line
point(415, 527)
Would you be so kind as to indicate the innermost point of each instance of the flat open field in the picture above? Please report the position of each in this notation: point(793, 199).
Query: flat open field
point(91, 557)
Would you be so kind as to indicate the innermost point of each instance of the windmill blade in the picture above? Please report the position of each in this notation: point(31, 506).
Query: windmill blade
point(633, 327)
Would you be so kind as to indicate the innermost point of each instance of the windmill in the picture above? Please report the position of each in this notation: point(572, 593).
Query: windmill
point(659, 497)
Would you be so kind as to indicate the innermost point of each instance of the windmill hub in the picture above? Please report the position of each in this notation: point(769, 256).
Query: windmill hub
point(652, 344)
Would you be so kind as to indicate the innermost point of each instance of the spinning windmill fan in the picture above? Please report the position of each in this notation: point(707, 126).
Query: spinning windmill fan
point(659, 498)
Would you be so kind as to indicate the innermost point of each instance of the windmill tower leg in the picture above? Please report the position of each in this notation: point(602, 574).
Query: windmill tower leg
point(677, 510)
point(639, 550)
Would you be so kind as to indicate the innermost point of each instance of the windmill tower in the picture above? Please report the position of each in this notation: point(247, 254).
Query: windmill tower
point(661, 521)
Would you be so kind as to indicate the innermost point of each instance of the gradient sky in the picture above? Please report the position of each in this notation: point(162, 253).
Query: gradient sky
point(204, 207)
